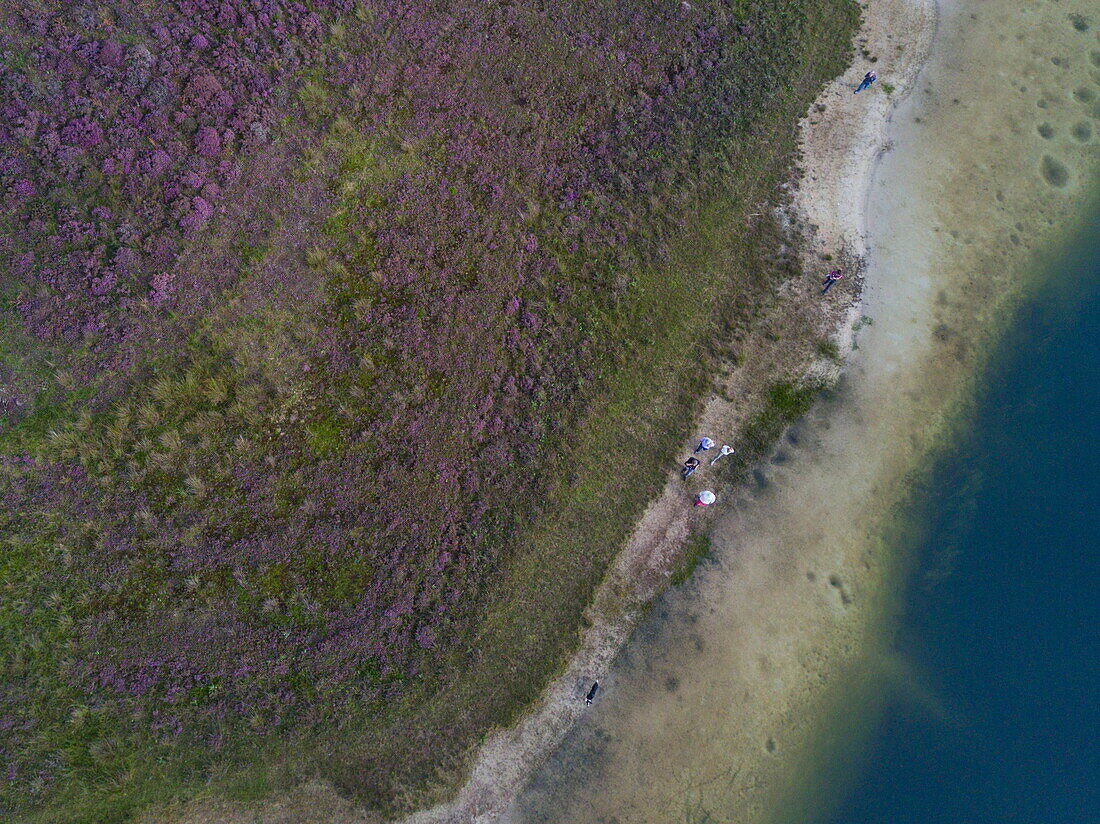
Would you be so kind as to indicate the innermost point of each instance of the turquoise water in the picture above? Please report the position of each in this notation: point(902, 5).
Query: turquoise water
point(1003, 615)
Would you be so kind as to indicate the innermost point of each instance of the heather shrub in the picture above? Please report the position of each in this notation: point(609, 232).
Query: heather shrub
point(121, 108)
point(332, 284)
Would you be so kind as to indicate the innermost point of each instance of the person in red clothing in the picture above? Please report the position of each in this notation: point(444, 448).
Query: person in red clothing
point(830, 279)
point(704, 498)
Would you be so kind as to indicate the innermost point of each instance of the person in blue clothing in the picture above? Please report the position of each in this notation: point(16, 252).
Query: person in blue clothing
point(868, 79)
point(704, 445)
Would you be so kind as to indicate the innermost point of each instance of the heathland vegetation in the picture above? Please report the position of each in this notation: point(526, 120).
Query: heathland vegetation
point(341, 345)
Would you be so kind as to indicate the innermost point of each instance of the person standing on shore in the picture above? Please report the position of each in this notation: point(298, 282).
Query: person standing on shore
point(690, 465)
point(725, 450)
point(591, 693)
point(704, 498)
point(830, 279)
point(704, 444)
point(868, 79)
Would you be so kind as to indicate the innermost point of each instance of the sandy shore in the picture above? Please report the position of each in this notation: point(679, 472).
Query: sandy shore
point(840, 144)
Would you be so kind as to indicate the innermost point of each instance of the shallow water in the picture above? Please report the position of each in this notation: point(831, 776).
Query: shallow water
point(774, 661)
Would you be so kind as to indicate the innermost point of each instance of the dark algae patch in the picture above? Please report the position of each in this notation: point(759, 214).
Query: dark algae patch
point(1054, 172)
point(342, 345)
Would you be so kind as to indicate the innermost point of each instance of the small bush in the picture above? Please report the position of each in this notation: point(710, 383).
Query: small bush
point(828, 348)
point(787, 401)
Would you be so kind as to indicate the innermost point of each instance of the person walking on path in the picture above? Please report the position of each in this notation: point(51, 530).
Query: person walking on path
point(704, 498)
point(690, 465)
point(830, 279)
point(725, 450)
point(591, 693)
point(868, 79)
point(704, 445)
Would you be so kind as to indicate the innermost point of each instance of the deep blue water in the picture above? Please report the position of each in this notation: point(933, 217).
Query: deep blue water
point(1002, 618)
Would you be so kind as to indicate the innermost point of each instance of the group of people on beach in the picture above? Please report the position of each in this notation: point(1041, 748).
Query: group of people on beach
point(706, 497)
point(836, 274)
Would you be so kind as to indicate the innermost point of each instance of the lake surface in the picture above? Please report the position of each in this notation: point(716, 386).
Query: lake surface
point(1002, 617)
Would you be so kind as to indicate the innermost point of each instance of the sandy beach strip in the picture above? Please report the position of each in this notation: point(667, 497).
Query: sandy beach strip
point(841, 139)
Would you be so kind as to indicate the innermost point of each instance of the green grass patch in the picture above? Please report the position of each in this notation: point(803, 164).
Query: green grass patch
point(52, 408)
point(787, 402)
point(252, 252)
point(694, 552)
point(829, 349)
point(324, 436)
